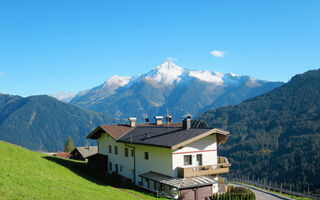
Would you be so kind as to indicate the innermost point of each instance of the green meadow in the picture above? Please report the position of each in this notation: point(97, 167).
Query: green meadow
point(30, 175)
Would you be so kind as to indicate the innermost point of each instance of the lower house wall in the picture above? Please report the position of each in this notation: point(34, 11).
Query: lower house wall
point(126, 163)
point(197, 193)
point(155, 187)
point(215, 187)
point(160, 160)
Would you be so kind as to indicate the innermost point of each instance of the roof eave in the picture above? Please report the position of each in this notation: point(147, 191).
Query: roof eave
point(93, 135)
point(137, 143)
point(212, 131)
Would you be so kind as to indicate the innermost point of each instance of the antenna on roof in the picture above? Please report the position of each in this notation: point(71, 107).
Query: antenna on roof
point(168, 118)
point(87, 144)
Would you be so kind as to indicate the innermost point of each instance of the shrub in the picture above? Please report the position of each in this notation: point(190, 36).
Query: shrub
point(235, 193)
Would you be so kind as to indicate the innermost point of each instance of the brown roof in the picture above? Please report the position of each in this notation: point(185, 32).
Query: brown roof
point(62, 155)
point(86, 151)
point(118, 130)
point(115, 131)
point(169, 136)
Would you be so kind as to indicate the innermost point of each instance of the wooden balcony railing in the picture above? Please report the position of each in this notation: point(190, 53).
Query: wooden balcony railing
point(220, 168)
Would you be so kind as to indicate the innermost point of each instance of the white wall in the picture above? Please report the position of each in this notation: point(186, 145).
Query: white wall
point(127, 163)
point(215, 187)
point(160, 160)
point(206, 146)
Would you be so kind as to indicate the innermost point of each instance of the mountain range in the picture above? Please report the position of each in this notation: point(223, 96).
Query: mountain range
point(170, 88)
point(44, 123)
point(275, 136)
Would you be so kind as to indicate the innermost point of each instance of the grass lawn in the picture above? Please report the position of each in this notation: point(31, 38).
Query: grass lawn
point(29, 175)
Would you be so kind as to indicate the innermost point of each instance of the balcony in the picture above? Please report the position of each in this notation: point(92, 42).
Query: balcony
point(220, 168)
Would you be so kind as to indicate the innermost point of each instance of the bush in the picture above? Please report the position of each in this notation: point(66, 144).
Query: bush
point(235, 193)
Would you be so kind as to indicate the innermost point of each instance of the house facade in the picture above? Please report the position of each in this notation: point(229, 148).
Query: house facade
point(172, 159)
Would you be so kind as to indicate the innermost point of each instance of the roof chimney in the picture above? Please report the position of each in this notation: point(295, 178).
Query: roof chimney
point(132, 121)
point(146, 120)
point(158, 120)
point(169, 119)
point(186, 123)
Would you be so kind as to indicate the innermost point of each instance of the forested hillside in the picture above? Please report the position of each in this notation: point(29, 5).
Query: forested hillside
point(44, 123)
point(276, 135)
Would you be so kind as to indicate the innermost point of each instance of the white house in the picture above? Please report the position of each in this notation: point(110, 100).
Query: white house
point(173, 159)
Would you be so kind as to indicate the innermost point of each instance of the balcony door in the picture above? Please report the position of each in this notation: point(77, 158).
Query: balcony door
point(199, 159)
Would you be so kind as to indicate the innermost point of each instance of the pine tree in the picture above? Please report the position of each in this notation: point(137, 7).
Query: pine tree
point(69, 145)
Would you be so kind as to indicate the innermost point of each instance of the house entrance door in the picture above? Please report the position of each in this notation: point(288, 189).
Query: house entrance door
point(199, 159)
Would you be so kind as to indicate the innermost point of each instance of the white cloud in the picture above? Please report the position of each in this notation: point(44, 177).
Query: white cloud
point(219, 54)
point(172, 59)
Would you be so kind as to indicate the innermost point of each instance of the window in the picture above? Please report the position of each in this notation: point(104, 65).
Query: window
point(115, 150)
point(126, 152)
point(187, 160)
point(132, 153)
point(146, 155)
point(110, 149)
point(120, 168)
point(116, 168)
point(110, 166)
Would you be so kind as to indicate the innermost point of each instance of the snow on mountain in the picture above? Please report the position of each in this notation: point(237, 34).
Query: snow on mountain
point(232, 79)
point(253, 82)
point(117, 81)
point(61, 96)
point(170, 87)
point(167, 73)
point(212, 77)
point(164, 74)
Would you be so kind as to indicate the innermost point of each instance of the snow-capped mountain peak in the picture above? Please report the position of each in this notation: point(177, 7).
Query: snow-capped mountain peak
point(166, 73)
point(168, 86)
point(117, 81)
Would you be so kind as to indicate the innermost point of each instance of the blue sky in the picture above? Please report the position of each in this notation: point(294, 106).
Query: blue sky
point(50, 46)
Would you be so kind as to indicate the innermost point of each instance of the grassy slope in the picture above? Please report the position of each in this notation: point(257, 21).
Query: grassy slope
point(29, 175)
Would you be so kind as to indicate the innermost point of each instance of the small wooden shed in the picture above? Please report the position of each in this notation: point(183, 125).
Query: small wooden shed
point(82, 153)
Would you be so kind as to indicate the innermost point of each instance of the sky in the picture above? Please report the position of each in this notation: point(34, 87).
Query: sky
point(73, 45)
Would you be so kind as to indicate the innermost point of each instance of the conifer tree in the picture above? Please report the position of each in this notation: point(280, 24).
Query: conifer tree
point(69, 145)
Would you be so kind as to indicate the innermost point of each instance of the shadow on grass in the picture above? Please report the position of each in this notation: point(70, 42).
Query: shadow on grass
point(82, 169)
